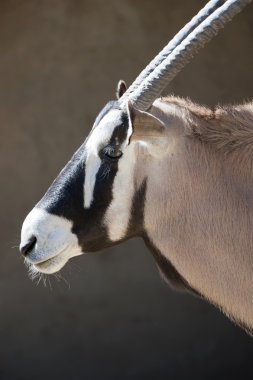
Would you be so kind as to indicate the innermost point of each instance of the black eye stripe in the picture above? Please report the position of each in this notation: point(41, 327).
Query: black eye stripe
point(112, 149)
point(119, 134)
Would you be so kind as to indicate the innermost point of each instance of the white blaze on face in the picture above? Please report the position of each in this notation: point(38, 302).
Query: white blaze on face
point(92, 166)
point(119, 211)
point(100, 137)
point(118, 214)
point(56, 243)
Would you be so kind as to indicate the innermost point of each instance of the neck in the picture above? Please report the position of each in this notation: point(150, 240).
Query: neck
point(201, 222)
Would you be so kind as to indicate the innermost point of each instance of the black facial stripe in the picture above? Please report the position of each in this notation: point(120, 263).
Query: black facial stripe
point(118, 136)
point(136, 222)
point(94, 216)
point(66, 188)
point(168, 270)
point(120, 132)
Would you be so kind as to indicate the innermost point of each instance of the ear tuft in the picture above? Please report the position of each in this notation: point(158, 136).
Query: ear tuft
point(121, 89)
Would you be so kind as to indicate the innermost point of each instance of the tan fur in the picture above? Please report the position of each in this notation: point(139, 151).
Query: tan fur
point(227, 128)
point(199, 201)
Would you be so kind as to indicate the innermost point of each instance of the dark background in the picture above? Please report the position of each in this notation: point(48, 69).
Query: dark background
point(60, 61)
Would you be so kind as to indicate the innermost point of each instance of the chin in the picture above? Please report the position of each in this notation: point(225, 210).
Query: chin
point(49, 266)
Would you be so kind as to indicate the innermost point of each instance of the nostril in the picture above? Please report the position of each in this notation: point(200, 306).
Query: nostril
point(28, 246)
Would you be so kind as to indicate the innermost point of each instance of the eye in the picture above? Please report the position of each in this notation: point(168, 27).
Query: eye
point(112, 153)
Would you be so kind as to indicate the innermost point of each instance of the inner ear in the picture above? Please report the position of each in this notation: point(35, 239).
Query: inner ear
point(121, 89)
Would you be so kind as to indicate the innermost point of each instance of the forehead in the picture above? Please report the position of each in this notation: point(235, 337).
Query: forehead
point(111, 128)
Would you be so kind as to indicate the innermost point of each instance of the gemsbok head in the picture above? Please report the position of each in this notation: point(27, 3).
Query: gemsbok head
point(177, 174)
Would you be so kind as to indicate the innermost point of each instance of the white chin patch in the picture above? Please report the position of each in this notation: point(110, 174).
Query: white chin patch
point(55, 244)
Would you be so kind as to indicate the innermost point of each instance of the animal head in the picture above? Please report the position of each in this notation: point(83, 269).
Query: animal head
point(92, 203)
point(89, 205)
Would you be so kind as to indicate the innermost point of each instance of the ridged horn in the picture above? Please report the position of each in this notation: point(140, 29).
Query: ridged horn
point(208, 9)
point(153, 85)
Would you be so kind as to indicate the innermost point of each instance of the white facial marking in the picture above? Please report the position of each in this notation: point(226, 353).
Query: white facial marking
point(92, 166)
point(55, 245)
point(99, 138)
point(118, 214)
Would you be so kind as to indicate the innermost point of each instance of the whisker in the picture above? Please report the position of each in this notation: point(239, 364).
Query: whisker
point(59, 278)
point(50, 284)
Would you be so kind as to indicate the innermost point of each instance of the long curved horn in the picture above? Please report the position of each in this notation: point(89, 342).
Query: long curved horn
point(154, 84)
point(208, 9)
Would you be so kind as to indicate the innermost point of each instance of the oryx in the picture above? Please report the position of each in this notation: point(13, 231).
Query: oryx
point(165, 169)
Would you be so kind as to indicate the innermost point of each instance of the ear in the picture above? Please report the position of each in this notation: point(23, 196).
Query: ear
point(148, 130)
point(121, 89)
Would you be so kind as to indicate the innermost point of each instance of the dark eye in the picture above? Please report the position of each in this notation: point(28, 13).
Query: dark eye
point(112, 153)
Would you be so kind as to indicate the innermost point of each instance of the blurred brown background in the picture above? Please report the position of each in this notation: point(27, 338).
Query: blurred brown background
point(60, 61)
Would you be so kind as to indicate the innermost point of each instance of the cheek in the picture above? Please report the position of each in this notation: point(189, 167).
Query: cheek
point(118, 214)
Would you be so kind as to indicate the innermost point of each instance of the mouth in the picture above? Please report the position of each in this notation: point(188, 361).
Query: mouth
point(53, 264)
point(45, 265)
point(49, 266)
